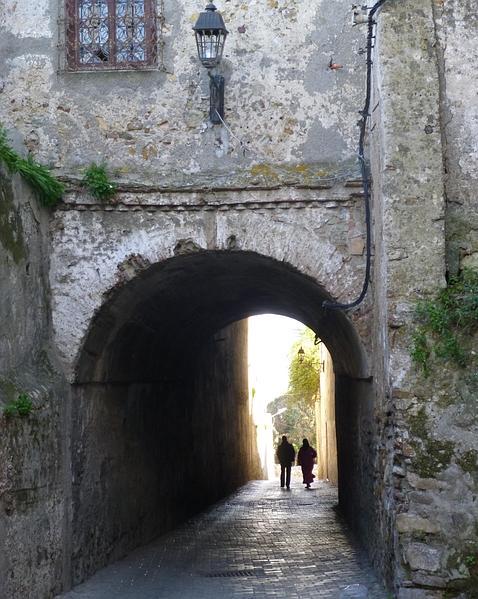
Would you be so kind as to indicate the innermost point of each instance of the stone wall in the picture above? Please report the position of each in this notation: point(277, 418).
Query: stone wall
point(277, 184)
point(295, 116)
point(277, 188)
point(145, 456)
point(318, 231)
point(325, 419)
point(456, 25)
point(423, 172)
point(409, 225)
point(33, 499)
point(358, 465)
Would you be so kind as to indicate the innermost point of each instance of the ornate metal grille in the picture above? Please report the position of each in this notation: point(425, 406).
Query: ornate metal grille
point(111, 34)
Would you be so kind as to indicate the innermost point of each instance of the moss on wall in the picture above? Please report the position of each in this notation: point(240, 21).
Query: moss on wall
point(468, 461)
point(467, 587)
point(431, 455)
point(418, 423)
point(302, 173)
point(11, 227)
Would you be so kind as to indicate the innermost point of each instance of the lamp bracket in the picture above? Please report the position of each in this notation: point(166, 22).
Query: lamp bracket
point(216, 98)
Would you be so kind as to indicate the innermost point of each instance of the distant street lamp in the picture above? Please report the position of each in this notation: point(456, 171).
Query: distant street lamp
point(301, 354)
point(211, 33)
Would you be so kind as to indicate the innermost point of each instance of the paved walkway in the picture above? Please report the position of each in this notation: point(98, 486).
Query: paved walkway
point(261, 542)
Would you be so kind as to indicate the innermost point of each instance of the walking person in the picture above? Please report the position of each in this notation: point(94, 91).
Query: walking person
point(305, 459)
point(286, 456)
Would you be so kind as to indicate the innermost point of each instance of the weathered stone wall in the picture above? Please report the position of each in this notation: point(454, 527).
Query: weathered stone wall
point(151, 127)
point(357, 433)
point(409, 218)
point(287, 192)
point(456, 23)
point(325, 419)
point(32, 491)
point(319, 231)
point(423, 168)
point(145, 456)
point(283, 193)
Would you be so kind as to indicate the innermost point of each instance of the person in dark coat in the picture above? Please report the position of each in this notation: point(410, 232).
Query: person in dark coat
point(286, 456)
point(305, 459)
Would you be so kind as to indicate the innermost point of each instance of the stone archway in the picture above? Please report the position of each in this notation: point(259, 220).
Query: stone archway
point(160, 418)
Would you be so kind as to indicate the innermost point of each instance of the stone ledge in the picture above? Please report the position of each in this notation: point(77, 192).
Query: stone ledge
point(214, 200)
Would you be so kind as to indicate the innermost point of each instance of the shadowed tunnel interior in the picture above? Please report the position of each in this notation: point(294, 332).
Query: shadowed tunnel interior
point(161, 417)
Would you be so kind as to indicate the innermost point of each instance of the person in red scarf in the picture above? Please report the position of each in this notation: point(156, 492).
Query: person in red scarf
point(305, 459)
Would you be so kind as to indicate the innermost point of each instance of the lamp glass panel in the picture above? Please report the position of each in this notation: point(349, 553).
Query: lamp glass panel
point(210, 46)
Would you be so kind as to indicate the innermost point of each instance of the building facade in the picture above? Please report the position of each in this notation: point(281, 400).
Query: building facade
point(119, 315)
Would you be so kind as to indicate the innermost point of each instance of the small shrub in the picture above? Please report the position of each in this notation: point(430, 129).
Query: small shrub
point(98, 183)
point(48, 189)
point(22, 407)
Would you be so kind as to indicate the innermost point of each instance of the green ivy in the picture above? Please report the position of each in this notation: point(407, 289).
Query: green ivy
point(420, 350)
point(470, 560)
point(22, 406)
point(446, 321)
point(48, 189)
point(98, 183)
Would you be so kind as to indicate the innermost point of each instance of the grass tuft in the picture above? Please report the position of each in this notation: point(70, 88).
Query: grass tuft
point(48, 189)
point(97, 182)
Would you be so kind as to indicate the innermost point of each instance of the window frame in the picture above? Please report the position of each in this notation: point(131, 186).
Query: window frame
point(73, 45)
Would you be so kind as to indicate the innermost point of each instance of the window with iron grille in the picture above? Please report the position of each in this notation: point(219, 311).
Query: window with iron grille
point(110, 34)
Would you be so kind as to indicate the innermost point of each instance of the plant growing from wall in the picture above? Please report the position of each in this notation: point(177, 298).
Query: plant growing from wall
point(97, 182)
point(21, 407)
point(447, 322)
point(48, 189)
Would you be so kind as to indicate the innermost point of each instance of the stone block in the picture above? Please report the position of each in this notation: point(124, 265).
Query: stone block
point(424, 484)
point(423, 557)
point(398, 471)
point(470, 261)
point(414, 523)
point(428, 580)
point(356, 246)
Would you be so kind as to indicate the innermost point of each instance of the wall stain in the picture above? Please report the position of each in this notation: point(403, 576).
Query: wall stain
point(11, 226)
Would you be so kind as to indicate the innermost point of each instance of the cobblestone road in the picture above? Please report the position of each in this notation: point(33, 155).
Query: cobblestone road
point(260, 542)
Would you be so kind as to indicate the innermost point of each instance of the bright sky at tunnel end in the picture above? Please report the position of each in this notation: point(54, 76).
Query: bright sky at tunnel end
point(270, 340)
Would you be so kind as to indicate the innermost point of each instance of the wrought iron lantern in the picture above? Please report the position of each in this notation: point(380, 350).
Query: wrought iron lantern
point(211, 34)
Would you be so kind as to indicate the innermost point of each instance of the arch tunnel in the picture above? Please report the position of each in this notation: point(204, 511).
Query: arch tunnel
point(160, 413)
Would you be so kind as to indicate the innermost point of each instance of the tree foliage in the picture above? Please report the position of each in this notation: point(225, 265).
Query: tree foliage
point(298, 420)
point(304, 369)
